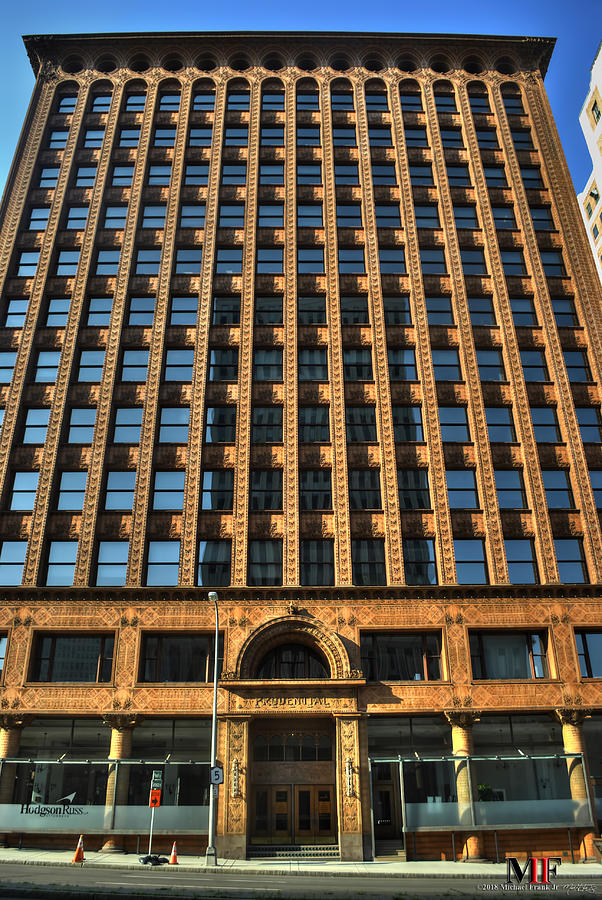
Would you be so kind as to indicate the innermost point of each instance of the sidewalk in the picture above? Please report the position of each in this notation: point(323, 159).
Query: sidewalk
point(379, 868)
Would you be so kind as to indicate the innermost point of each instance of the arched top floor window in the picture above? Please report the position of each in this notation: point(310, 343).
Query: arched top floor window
point(292, 660)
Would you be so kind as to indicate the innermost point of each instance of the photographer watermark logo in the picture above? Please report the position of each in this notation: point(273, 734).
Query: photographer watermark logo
point(539, 868)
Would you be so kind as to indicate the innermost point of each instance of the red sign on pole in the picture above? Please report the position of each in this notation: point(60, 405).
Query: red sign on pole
point(155, 797)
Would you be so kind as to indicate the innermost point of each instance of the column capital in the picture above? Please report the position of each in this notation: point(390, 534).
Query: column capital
point(121, 722)
point(567, 715)
point(462, 718)
point(12, 721)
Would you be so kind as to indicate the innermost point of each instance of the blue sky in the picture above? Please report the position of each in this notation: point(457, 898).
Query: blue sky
point(576, 24)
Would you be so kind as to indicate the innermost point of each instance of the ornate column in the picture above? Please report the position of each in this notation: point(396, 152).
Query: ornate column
point(118, 781)
point(10, 738)
point(231, 839)
point(572, 739)
point(348, 788)
point(461, 723)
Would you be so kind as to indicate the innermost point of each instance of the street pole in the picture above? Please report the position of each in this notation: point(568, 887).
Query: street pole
point(211, 855)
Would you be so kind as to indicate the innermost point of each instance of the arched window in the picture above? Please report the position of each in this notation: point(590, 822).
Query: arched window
point(293, 661)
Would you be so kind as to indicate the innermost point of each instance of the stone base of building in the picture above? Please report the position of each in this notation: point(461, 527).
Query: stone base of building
point(231, 846)
point(351, 846)
point(426, 846)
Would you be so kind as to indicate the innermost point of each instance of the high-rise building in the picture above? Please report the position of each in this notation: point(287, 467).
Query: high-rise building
point(591, 125)
point(308, 320)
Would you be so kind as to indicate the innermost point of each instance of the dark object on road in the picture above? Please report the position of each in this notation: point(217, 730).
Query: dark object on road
point(153, 860)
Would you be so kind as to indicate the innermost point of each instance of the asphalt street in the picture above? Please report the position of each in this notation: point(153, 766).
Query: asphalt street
point(19, 881)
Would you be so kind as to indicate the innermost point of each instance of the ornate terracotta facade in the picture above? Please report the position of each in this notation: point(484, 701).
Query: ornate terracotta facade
point(331, 619)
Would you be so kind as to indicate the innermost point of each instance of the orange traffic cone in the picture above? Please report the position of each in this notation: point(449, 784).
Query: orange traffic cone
point(173, 859)
point(79, 850)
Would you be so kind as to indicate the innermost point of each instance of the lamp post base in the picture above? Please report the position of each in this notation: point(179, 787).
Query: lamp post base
point(210, 856)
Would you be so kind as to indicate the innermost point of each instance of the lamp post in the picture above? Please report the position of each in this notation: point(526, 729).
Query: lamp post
point(210, 854)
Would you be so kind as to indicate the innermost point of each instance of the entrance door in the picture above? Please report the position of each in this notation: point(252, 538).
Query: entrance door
point(271, 815)
point(384, 818)
point(314, 814)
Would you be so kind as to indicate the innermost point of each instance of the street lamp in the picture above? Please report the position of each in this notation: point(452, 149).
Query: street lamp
point(210, 854)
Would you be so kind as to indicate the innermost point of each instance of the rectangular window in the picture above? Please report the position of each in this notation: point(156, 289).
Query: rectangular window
point(391, 261)
point(90, 365)
point(236, 137)
point(107, 261)
point(214, 563)
point(60, 569)
point(120, 490)
point(364, 489)
point(267, 364)
point(38, 218)
point(486, 137)
point(309, 215)
point(491, 365)
point(454, 423)
point(163, 563)
point(36, 425)
point(217, 490)
point(312, 364)
point(28, 263)
point(270, 260)
point(238, 100)
point(266, 424)
point(94, 137)
point(228, 261)
point(577, 365)
point(233, 174)
point(308, 137)
point(25, 485)
point(49, 177)
point(545, 424)
point(416, 137)
point(351, 261)
point(387, 215)
point(232, 215)
point(432, 261)
point(513, 262)
point(16, 310)
point(164, 137)
point(565, 312)
point(317, 562)
point(458, 176)
point(271, 215)
point(193, 174)
point(423, 174)
point(534, 365)
point(589, 650)
point(439, 311)
point(315, 489)
point(265, 489)
point(473, 261)
point(510, 489)
point(531, 176)
point(268, 310)
point(309, 174)
point(188, 261)
point(542, 218)
point(178, 365)
point(446, 365)
point(590, 424)
point(451, 137)
point(173, 425)
point(129, 137)
point(72, 489)
point(72, 658)
point(220, 425)
point(311, 310)
point(314, 424)
point(112, 562)
point(523, 312)
point(344, 137)
point(357, 364)
point(571, 560)
point(46, 369)
point(66, 104)
point(135, 102)
point(200, 137)
point(134, 365)
point(81, 425)
point(500, 424)
point(411, 101)
point(407, 423)
point(264, 563)
point(354, 311)
point(376, 101)
point(360, 423)
point(115, 216)
point(471, 567)
point(368, 561)
point(508, 654)
point(12, 560)
point(465, 217)
point(85, 176)
point(101, 103)
point(310, 260)
point(142, 311)
point(341, 100)
point(419, 561)
point(481, 311)
point(503, 218)
point(347, 173)
point(557, 486)
point(178, 657)
point(402, 364)
point(495, 176)
point(272, 136)
point(153, 216)
point(413, 487)
point(128, 421)
point(272, 100)
point(169, 490)
point(122, 176)
point(427, 216)
point(397, 310)
point(223, 364)
point(401, 656)
point(461, 489)
point(226, 311)
point(271, 173)
point(183, 311)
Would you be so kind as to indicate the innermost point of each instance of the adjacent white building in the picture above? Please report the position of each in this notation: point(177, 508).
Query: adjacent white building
point(591, 124)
